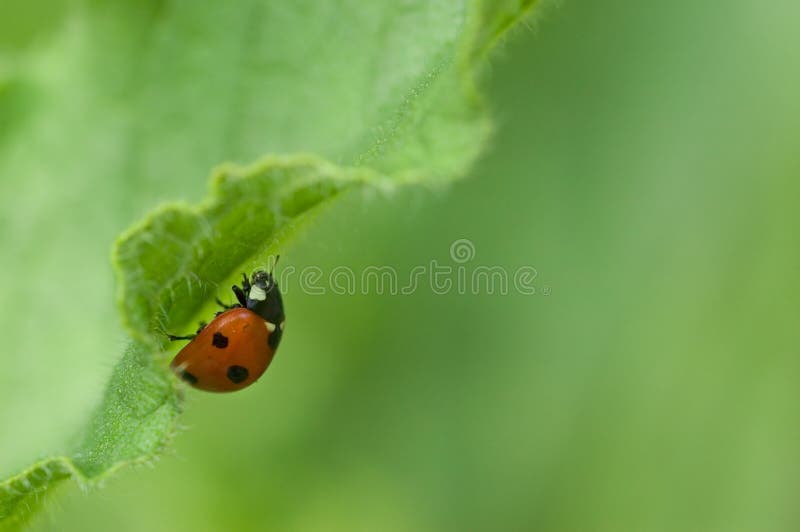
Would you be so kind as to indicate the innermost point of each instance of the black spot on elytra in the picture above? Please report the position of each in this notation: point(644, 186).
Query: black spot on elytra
point(188, 377)
point(237, 374)
point(220, 340)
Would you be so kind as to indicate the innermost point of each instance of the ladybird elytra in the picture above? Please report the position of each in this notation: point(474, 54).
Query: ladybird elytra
point(237, 346)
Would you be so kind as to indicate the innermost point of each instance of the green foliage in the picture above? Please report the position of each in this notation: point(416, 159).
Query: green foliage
point(117, 107)
point(171, 264)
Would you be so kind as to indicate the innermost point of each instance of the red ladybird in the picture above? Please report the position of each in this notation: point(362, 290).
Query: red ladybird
point(235, 349)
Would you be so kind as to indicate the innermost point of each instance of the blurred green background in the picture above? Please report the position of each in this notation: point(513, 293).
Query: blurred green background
point(646, 163)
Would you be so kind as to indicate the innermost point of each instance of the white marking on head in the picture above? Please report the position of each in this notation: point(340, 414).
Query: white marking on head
point(270, 326)
point(257, 293)
point(282, 324)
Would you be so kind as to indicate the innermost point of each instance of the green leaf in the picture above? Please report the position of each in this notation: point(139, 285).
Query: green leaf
point(133, 424)
point(172, 263)
point(124, 105)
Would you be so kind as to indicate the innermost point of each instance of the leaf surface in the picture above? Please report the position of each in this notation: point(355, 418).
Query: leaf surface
point(113, 109)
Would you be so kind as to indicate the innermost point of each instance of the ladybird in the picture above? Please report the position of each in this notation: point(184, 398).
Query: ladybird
point(235, 349)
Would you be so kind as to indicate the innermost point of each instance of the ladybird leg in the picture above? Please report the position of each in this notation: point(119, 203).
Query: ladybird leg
point(226, 307)
point(201, 327)
point(240, 295)
point(245, 283)
point(172, 337)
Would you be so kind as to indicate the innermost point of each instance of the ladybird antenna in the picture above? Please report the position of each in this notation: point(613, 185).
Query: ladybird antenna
point(274, 264)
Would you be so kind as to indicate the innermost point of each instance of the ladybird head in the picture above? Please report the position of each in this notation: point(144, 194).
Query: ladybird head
point(264, 298)
point(264, 280)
